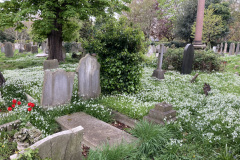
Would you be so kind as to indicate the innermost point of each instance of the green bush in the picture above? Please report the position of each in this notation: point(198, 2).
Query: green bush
point(203, 60)
point(120, 49)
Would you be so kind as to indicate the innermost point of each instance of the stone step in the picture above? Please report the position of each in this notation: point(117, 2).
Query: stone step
point(96, 132)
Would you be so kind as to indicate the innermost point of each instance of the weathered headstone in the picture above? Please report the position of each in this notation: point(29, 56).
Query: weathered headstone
point(221, 50)
point(34, 49)
point(2, 79)
point(43, 46)
point(158, 49)
point(57, 87)
point(2, 48)
point(233, 49)
point(230, 49)
point(161, 113)
point(225, 47)
point(8, 49)
point(28, 47)
point(237, 49)
point(188, 59)
point(159, 73)
point(88, 71)
point(50, 64)
point(215, 49)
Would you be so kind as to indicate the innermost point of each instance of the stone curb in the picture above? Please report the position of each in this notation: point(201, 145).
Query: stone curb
point(124, 119)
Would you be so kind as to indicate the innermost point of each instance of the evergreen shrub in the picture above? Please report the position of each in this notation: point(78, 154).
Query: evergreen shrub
point(203, 60)
point(119, 48)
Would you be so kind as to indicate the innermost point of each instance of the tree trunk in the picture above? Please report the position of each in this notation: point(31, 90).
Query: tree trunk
point(55, 42)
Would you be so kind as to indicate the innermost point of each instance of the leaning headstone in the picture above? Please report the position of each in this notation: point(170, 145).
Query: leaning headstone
point(237, 49)
point(28, 47)
point(57, 87)
point(2, 79)
point(225, 47)
point(34, 49)
point(161, 113)
point(50, 64)
point(188, 59)
point(8, 49)
point(150, 51)
point(88, 71)
point(159, 73)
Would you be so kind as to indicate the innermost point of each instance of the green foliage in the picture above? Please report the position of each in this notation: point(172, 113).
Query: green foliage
point(203, 60)
point(212, 26)
point(119, 48)
point(30, 154)
point(227, 154)
point(7, 146)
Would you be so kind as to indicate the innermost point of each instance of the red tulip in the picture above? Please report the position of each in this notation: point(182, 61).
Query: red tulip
point(9, 108)
point(32, 105)
point(14, 101)
point(29, 104)
point(29, 109)
point(13, 105)
point(19, 103)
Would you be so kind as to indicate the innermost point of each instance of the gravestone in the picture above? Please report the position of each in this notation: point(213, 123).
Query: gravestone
point(88, 71)
point(34, 49)
point(230, 49)
point(57, 87)
point(2, 48)
point(188, 59)
point(44, 45)
point(237, 49)
point(28, 47)
point(159, 73)
point(8, 49)
point(215, 49)
point(158, 49)
point(225, 47)
point(221, 50)
point(162, 112)
point(2, 80)
point(50, 64)
point(21, 48)
point(233, 49)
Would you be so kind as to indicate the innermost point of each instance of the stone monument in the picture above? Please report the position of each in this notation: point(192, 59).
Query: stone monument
point(161, 113)
point(57, 87)
point(8, 49)
point(2, 80)
point(237, 49)
point(159, 73)
point(187, 59)
point(34, 49)
point(50, 64)
point(88, 72)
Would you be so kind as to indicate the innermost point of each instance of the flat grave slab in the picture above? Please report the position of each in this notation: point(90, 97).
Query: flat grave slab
point(96, 132)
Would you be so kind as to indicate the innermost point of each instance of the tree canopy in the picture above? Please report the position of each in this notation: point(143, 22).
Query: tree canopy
point(56, 20)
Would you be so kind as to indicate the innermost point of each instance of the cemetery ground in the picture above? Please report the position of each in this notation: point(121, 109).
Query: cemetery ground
point(207, 127)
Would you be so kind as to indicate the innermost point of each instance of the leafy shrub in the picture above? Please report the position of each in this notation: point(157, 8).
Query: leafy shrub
point(68, 47)
point(119, 48)
point(177, 44)
point(203, 60)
